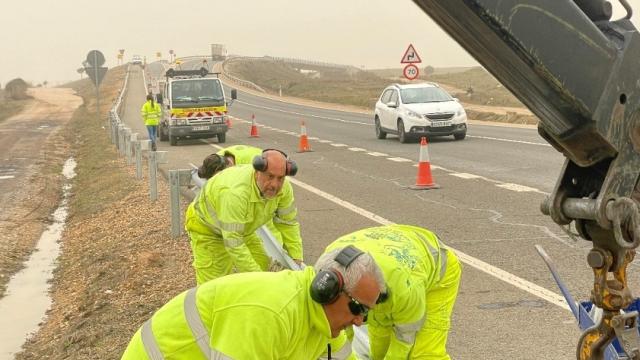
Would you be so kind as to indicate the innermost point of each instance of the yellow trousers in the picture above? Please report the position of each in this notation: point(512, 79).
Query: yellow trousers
point(211, 259)
point(431, 339)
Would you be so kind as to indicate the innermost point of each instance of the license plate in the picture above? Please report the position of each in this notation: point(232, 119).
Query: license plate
point(200, 128)
point(440, 123)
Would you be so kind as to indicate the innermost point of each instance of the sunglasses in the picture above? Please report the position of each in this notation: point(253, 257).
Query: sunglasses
point(357, 308)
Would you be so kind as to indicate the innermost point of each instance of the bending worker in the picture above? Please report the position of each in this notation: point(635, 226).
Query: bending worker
point(412, 319)
point(222, 219)
point(229, 156)
point(151, 113)
point(266, 315)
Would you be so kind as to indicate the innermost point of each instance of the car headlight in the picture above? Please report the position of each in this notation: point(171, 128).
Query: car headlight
point(460, 112)
point(182, 122)
point(413, 114)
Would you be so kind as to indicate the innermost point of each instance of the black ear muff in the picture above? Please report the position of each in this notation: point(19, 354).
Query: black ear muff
point(259, 163)
point(292, 168)
point(326, 286)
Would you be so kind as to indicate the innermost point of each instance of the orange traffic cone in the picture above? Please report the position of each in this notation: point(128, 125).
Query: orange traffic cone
point(254, 128)
point(304, 141)
point(228, 122)
point(424, 180)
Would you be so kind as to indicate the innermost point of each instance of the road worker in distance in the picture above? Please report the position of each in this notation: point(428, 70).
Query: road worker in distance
point(412, 318)
point(222, 220)
point(265, 315)
point(151, 113)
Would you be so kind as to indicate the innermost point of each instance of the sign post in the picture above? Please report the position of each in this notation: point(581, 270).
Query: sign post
point(411, 57)
point(93, 67)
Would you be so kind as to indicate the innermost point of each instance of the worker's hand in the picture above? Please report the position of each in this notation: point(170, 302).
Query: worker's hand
point(298, 261)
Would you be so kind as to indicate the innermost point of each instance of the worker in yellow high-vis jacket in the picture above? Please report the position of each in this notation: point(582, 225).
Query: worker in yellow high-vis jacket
point(222, 219)
point(230, 156)
point(412, 319)
point(151, 113)
point(267, 315)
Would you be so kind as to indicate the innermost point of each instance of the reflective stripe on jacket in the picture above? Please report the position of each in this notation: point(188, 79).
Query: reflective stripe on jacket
point(241, 316)
point(412, 260)
point(151, 113)
point(242, 154)
point(230, 208)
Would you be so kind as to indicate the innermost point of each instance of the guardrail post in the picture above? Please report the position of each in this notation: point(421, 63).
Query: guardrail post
point(140, 145)
point(155, 158)
point(120, 139)
point(114, 129)
point(130, 150)
point(177, 178)
point(127, 143)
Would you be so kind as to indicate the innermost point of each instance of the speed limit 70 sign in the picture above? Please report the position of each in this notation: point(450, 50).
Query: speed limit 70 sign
point(411, 72)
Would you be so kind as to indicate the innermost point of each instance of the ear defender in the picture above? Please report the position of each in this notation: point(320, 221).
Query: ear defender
point(260, 163)
point(328, 284)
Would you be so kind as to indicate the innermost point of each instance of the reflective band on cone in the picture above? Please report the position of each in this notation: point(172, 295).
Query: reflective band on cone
point(424, 180)
point(303, 146)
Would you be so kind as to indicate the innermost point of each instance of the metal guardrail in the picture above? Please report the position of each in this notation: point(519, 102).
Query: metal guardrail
point(132, 148)
point(238, 81)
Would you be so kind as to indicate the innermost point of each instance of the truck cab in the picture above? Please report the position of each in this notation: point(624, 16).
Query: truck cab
point(194, 106)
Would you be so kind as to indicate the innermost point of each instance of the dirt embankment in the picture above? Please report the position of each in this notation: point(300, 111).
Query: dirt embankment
point(118, 262)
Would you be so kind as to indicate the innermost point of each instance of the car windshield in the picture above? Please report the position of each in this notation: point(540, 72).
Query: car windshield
point(196, 90)
point(423, 95)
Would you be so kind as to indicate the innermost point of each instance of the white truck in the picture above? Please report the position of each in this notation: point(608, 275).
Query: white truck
point(218, 52)
point(194, 106)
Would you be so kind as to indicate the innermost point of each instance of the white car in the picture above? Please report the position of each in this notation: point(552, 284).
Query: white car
point(415, 110)
point(136, 60)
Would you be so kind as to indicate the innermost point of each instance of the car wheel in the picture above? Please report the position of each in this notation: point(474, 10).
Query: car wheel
point(173, 140)
point(380, 134)
point(402, 135)
point(222, 137)
point(460, 136)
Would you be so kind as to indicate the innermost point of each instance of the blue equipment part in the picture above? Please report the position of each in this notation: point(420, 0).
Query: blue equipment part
point(583, 311)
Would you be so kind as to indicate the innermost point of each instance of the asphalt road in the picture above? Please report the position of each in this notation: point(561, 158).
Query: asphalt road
point(487, 210)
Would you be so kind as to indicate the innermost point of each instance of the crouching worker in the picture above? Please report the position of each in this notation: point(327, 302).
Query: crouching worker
point(222, 220)
point(229, 156)
point(422, 276)
point(283, 315)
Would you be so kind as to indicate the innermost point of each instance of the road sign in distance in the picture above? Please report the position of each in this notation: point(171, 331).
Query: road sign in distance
point(95, 58)
point(411, 72)
point(96, 75)
point(410, 56)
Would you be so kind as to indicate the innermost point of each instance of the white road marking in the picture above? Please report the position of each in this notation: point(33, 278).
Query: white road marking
point(399, 159)
point(312, 138)
point(307, 115)
point(339, 145)
point(516, 187)
point(324, 141)
point(509, 140)
point(375, 153)
point(466, 175)
point(357, 149)
point(5, 177)
point(498, 273)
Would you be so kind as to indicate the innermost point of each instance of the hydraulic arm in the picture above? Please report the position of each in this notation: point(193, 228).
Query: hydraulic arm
point(579, 72)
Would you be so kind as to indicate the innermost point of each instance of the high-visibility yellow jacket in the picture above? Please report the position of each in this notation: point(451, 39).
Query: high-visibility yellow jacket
point(230, 208)
point(241, 316)
point(243, 154)
point(151, 113)
point(410, 260)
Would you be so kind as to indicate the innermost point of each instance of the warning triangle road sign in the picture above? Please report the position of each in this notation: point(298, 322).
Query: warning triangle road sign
point(410, 56)
point(96, 75)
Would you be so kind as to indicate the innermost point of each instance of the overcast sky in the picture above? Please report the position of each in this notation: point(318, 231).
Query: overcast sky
point(48, 39)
